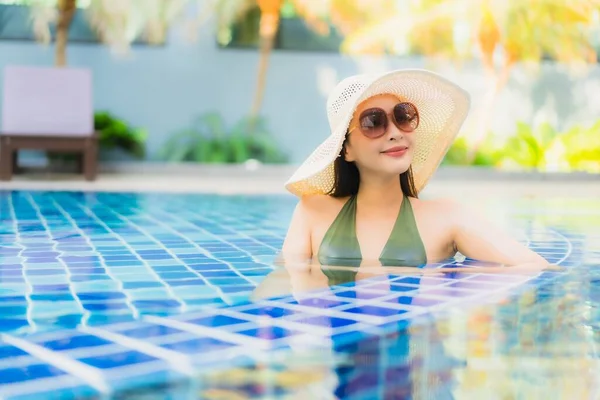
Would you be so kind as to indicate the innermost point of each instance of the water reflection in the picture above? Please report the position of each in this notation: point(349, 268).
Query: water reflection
point(539, 341)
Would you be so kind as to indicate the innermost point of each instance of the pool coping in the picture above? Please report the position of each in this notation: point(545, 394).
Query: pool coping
point(282, 171)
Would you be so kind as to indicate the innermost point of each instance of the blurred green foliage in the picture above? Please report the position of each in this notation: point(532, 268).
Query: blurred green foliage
point(540, 148)
point(116, 133)
point(209, 141)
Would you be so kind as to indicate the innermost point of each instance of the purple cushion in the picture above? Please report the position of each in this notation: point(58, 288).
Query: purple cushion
point(47, 101)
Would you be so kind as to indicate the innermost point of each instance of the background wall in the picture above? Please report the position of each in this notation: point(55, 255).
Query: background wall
point(164, 88)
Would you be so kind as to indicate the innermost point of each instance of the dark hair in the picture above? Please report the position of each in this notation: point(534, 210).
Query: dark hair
point(347, 178)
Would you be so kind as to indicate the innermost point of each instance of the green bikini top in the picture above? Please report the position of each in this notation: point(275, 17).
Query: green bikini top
point(404, 247)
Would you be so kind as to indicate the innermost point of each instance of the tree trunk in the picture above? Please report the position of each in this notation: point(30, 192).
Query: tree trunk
point(66, 12)
point(269, 24)
point(488, 104)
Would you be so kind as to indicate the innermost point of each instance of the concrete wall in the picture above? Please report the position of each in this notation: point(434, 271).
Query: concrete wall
point(165, 88)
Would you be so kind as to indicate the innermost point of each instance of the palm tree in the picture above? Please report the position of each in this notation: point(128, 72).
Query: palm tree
point(346, 15)
point(117, 24)
point(503, 32)
point(66, 12)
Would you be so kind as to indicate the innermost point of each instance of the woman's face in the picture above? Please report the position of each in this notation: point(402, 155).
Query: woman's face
point(376, 150)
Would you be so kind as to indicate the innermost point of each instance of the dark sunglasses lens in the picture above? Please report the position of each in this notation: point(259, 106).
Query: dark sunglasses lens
point(407, 116)
point(373, 123)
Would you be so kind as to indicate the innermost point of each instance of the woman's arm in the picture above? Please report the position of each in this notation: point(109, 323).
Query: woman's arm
point(477, 238)
point(297, 243)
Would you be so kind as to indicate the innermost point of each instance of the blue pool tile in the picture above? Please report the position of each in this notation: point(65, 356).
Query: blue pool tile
point(84, 296)
point(62, 296)
point(80, 259)
point(243, 266)
point(360, 294)
point(149, 330)
point(394, 287)
point(87, 277)
point(45, 272)
point(40, 254)
point(208, 266)
point(217, 321)
point(419, 301)
point(11, 299)
point(158, 304)
point(64, 321)
point(12, 279)
point(268, 333)
point(375, 311)
point(7, 267)
point(473, 285)
point(105, 306)
point(215, 302)
point(104, 319)
point(141, 285)
point(74, 342)
point(12, 324)
point(11, 310)
point(199, 345)
point(274, 312)
point(326, 321)
point(120, 258)
point(417, 281)
point(86, 271)
point(119, 264)
point(8, 351)
point(237, 288)
point(187, 282)
point(316, 302)
point(28, 373)
point(198, 257)
point(496, 278)
point(51, 288)
point(156, 257)
point(227, 281)
point(10, 251)
point(177, 275)
point(220, 274)
point(116, 360)
point(257, 272)
point(152, 252)
point(451, 292)
point(170, 268)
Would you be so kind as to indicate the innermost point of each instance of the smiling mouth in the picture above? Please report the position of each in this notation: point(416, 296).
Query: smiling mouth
point(395, 151)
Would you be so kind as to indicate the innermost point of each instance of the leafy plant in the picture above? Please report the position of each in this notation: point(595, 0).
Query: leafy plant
point(457, 153)
point(534, 148)
point(116, 133)
point(528, 147)
point(581, 147)
point(113, 133)
point(488, 154)
point(209, 141)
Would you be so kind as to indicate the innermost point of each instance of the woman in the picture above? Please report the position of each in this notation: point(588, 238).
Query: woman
point(359, 189)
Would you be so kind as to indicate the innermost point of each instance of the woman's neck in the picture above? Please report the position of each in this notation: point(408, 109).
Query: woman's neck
point(379, 193)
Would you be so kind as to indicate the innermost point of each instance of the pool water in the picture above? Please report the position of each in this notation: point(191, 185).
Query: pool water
point(176, 296)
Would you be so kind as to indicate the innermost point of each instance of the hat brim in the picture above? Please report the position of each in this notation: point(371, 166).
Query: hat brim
point(443, 106)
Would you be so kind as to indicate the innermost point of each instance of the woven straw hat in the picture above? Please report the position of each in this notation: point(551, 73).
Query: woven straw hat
point(442, 106)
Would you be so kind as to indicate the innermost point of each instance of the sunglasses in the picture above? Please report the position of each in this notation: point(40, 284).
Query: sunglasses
point(374, 122)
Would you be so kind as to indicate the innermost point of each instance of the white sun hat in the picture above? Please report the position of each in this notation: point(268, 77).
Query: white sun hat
point(443, 106)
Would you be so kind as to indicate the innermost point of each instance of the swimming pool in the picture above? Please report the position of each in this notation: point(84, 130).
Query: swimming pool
point(148, 296)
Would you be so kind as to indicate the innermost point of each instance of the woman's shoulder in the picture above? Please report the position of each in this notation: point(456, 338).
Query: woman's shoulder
point(318, 204)
point(446, 206)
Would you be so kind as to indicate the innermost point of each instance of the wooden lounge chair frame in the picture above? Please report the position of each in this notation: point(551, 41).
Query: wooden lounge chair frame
point(49, 109)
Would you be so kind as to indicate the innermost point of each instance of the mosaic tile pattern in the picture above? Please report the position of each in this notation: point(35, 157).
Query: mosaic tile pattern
point(105, 294)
